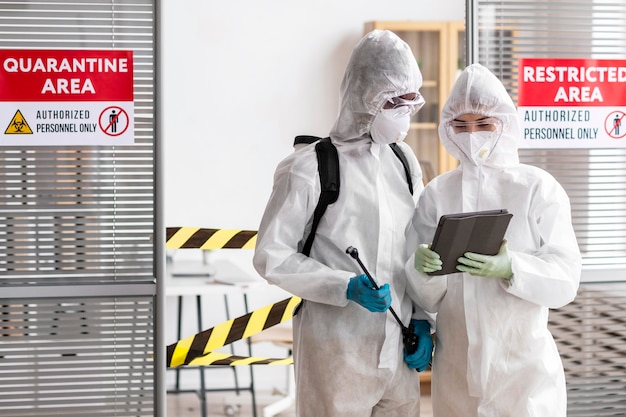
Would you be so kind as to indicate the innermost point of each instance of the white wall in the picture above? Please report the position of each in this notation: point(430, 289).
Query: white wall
point(241, 79)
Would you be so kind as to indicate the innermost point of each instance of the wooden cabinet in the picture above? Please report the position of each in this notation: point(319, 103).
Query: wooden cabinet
point(439, 48)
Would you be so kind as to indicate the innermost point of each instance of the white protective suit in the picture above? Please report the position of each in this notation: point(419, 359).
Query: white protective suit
point(494, 355)
point(349, 361)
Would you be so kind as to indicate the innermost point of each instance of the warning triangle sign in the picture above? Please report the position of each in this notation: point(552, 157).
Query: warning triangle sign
point(18, 125)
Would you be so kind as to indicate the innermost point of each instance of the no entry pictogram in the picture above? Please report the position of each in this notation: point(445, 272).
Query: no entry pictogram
point(614, 124)
point(114, 121)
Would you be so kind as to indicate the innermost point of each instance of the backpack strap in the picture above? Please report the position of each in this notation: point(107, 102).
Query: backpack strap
point(328, 167)
point(407, 171)
point(305, 140)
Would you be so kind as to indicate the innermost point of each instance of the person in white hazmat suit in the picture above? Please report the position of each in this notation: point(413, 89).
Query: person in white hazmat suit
point(348, 350)
point(494, 355)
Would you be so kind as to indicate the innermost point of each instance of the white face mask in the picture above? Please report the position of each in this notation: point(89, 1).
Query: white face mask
point(390, 126)
point(477, 146)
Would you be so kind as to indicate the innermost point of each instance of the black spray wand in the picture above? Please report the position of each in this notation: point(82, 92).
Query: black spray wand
point(408, 336)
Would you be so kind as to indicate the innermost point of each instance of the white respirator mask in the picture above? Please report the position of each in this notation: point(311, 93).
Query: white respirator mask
point(477, 146)
point(390, 125)
point(476, 138)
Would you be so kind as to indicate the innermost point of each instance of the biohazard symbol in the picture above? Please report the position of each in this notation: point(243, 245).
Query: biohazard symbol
point(18, 125)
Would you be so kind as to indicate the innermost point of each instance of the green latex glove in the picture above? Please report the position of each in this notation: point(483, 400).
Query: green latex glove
point(427, 260)
point(496, 266)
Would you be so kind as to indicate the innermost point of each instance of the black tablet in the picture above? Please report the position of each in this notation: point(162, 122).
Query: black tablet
point(479, 232)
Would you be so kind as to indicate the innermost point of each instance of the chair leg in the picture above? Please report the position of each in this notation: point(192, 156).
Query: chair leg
point(252, 393)
point(179, 334)
point(202, 393)
point(287, 401)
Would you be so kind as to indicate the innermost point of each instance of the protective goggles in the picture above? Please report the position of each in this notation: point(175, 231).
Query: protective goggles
point(487, 124)
point(404, 106)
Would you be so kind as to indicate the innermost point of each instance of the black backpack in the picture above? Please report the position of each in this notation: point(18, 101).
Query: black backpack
point(328, 168)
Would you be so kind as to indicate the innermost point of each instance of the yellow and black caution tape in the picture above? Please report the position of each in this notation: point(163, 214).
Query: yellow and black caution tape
point(198, 349)
point(200, 238)
point(216, 358)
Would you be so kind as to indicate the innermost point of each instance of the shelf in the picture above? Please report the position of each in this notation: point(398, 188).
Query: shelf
point(424, 126)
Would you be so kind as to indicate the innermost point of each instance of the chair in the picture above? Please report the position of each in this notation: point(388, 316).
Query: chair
point(281, 336)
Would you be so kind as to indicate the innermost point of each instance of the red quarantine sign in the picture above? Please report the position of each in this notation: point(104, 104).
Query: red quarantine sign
point(571, 103)
point(59, 97)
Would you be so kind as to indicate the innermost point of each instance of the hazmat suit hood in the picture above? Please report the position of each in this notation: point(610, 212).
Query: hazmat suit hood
point(381, 67)
point(477, 90)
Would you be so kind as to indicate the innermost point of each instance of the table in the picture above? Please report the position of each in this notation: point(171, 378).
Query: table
point(196, 279)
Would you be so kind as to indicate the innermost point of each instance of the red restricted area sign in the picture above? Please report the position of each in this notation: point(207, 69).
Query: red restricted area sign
point(60, 97)
point(572, 103)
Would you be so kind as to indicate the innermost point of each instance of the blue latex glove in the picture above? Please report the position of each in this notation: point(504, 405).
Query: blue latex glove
point(427, 260)
point(496, 266)
point(361, 290)
point(421, 358)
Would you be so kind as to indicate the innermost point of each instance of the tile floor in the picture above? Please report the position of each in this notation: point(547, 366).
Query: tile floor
point(229, 404)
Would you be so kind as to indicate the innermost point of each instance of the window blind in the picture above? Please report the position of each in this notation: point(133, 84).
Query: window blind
point(591, 337)
point(593, 178)
point(89, 357)
point(77, 228)
point(590, 331)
